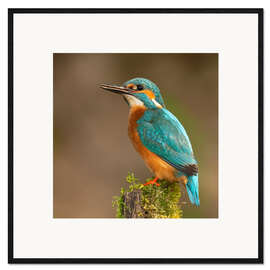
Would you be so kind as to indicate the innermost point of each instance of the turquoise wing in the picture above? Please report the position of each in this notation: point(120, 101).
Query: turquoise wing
point(162, 134)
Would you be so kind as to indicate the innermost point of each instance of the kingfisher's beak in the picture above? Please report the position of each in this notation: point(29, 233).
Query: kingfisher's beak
point(117, 89)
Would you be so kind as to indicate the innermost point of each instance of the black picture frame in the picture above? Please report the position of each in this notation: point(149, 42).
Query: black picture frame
point(13, 260)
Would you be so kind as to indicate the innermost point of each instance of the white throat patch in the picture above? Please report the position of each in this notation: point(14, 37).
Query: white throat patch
point(156, 103)
point(133, 101)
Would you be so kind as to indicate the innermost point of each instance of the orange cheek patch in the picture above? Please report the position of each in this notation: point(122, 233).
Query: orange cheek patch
point(149, 93)
point(132, 86)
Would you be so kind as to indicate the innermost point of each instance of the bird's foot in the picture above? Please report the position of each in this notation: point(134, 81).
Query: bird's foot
point(153, 182)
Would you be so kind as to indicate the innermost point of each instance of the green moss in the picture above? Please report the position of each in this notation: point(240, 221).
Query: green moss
point(155, 201)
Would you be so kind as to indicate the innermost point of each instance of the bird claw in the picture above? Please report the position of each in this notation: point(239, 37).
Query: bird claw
point(153, 182)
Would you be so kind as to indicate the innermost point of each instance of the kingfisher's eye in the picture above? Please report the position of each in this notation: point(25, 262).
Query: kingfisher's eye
point(140, 87)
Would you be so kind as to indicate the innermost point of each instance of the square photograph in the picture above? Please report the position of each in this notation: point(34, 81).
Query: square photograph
point(135, 135)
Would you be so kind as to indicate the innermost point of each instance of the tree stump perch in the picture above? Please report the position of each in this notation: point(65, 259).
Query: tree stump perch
point(133, 208)
point(151, 201)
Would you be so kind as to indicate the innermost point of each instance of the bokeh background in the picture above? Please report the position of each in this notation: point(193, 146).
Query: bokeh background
point(92, 152)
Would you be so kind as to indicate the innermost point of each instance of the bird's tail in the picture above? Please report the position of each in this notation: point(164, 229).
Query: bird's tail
point(192, 186)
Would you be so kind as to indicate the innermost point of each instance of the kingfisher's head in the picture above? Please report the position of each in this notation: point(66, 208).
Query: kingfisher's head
point(138, 92)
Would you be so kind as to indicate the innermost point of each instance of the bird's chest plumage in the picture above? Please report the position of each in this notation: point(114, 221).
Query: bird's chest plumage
point(159, 167)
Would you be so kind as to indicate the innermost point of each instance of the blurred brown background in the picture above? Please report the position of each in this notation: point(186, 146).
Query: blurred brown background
point(92, 152)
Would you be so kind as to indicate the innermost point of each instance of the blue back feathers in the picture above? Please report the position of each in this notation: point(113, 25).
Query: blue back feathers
point(164, 135)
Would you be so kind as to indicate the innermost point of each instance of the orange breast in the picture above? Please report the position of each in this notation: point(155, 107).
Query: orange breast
point(160, 168)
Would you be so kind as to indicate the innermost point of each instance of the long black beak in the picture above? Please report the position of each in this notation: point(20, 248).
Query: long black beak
point(117, 89)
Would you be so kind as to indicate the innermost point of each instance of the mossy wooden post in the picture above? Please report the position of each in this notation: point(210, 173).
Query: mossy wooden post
point(132, 206)
point(151, 201)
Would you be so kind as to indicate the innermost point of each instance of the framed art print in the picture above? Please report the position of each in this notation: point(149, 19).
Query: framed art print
point(135, 135)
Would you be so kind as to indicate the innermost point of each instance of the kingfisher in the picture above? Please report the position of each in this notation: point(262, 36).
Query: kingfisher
point(158, 136)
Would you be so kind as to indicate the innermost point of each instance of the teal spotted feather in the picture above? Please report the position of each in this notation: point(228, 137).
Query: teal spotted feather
point(164, 135)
